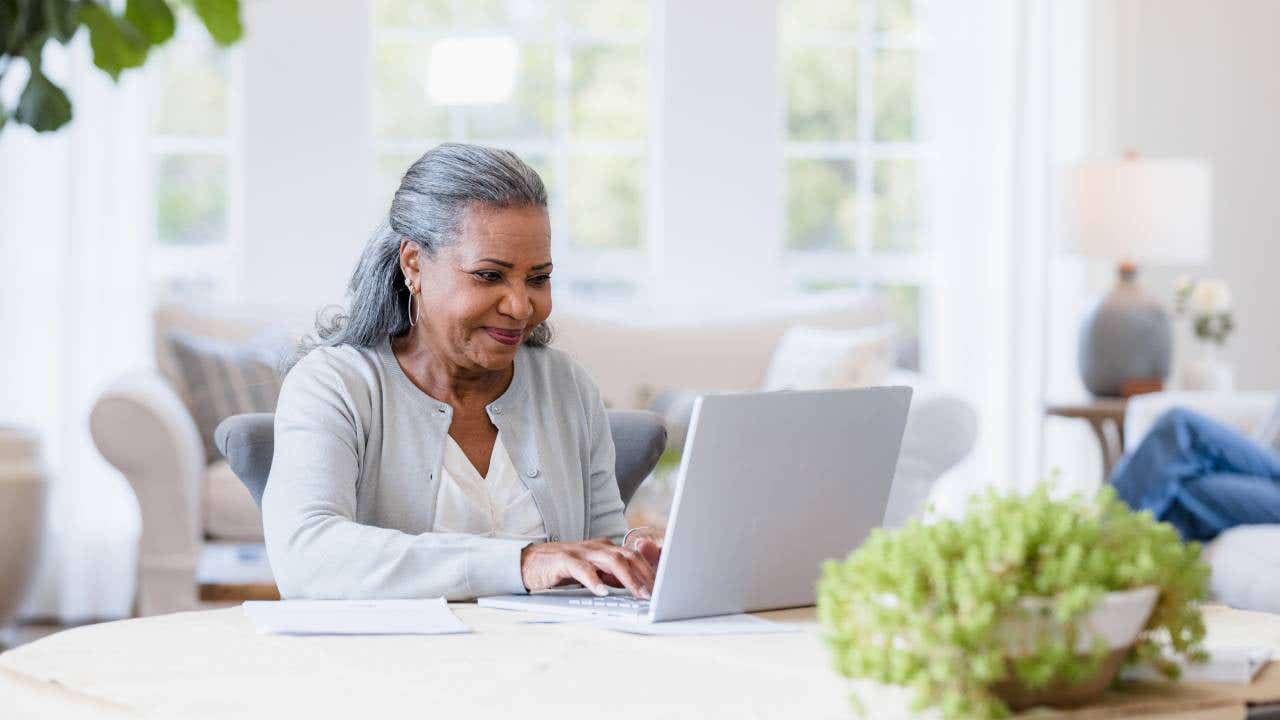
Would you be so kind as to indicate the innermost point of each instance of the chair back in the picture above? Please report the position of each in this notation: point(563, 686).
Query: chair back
point(248, 442)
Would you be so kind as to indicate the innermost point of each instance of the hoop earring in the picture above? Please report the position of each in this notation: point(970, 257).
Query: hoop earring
point(414, 313)
point(413, 316)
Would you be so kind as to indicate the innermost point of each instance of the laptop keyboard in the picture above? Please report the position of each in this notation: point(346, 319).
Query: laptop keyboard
point(611, 602)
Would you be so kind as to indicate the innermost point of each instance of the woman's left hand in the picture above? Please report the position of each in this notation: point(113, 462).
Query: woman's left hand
point(648, 542)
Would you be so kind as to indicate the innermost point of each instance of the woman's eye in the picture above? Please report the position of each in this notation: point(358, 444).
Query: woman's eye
point(488, 275)
point(540, 280)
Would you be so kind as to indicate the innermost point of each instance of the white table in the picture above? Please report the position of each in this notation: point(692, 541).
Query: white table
point(212, 664)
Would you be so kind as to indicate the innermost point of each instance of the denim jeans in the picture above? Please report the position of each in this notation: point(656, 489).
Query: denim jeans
point(1200, 476)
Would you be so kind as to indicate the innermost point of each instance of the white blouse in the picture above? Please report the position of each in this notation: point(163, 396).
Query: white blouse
point(497, 505)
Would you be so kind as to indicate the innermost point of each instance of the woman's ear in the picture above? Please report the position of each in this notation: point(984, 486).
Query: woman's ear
point(409, 263)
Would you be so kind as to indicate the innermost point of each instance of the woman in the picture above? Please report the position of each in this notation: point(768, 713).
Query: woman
point(431, 444)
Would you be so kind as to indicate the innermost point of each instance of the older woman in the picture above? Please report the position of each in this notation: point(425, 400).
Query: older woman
point(431, 444)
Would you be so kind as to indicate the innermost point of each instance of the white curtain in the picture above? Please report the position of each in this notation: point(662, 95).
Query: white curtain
point(1009, 110)
point(73, 310)
point(1083, 68)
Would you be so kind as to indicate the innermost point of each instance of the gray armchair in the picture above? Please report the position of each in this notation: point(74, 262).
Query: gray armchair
point(247, 441)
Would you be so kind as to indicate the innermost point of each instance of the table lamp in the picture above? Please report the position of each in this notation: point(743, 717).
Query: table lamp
point(1134, 211)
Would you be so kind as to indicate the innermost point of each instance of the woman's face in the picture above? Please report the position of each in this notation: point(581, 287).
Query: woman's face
point(483, 295)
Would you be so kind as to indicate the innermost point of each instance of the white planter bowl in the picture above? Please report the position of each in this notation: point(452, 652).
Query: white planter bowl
point(1117, 618)
point(22, 498)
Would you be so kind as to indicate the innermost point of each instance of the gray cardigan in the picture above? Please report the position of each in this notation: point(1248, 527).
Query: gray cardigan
point(350, 500)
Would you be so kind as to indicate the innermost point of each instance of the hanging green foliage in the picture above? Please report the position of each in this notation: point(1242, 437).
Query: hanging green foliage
point(922, 607)
point(119, 41)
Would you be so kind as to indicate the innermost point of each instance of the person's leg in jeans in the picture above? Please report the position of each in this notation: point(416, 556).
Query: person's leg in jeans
point(1200, 475)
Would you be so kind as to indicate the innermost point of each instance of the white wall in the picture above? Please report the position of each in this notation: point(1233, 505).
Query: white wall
point(1200, 79)
point(307, 159)
point(719, 152)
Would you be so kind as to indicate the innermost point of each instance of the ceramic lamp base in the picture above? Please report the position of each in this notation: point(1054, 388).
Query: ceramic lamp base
point(1126, 341)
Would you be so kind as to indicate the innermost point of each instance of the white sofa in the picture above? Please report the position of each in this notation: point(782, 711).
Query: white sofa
point(1244, 561)
point(198, 521)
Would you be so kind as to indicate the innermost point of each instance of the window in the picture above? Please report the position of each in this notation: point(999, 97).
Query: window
point(857, 153)
point(191, 128)
point(563, 83)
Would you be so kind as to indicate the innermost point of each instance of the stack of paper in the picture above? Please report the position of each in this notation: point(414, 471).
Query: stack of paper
point(354, 617)
point(1227, 664)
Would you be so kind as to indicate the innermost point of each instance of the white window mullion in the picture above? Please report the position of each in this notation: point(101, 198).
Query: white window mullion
point(174, 145)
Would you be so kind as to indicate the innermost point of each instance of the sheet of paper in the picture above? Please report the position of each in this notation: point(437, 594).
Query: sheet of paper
point(354, 617)
point(718, 625)
point(1237, 664)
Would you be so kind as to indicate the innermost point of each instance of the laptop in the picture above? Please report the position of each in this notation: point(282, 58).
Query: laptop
point(770, 485)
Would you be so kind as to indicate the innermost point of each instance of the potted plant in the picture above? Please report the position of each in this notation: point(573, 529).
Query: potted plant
point(22, 499)
point(1024, 601)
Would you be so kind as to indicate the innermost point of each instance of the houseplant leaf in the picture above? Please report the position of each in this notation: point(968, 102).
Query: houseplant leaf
point(60, 18)
point(116, 43)
point(221, 18)
point(152, 18)
point(25, 27)
point(8, 23)
point(43, 105)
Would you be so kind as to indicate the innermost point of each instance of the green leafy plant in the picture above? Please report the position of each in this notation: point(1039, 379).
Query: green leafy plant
point(119, 41)
point(922, 607)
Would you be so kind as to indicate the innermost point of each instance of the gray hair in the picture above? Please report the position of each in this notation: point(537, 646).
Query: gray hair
point(427, 209)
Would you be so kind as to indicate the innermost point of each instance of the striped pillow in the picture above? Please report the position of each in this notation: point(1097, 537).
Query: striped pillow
point(219, 379)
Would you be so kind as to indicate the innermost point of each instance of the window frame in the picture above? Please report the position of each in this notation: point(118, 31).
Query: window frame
point(862, 266)
point(577, 266)
point(216, 264)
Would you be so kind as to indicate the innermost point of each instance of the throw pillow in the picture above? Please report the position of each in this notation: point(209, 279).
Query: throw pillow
point(220, 379)
point(809, 358)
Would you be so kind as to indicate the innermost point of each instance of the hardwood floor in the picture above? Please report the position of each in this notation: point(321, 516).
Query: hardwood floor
point(31, 630)
point(25, 632)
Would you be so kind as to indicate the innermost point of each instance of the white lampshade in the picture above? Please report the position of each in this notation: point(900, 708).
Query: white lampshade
point(472, 70)
point(1140, 210)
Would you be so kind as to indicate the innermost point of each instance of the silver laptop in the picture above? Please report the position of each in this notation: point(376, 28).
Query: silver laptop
point(770, 485)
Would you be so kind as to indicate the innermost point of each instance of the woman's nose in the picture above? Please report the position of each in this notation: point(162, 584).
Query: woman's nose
point(516, 304)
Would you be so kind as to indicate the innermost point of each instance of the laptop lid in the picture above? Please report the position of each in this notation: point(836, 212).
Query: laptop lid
point(770, 485)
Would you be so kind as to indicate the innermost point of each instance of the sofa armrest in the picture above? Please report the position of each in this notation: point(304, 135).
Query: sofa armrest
point(942, 429)
point(142, 428)
point(1244, 411)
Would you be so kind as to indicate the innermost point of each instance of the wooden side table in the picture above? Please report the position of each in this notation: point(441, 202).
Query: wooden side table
point(1101, 413)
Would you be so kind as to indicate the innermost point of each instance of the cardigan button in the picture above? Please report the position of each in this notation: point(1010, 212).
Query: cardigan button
point(533, 472)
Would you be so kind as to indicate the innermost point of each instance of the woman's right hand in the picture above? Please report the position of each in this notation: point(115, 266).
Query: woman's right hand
point(595, 564)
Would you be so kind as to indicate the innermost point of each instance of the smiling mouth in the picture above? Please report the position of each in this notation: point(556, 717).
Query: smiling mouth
point(506, 337)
